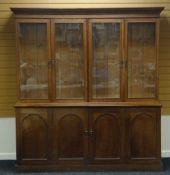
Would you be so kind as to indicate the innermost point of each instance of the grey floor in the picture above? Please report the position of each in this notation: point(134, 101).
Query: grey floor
point(8, 168)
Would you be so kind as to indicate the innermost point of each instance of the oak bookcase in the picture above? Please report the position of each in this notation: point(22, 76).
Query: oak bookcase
point(88, 89)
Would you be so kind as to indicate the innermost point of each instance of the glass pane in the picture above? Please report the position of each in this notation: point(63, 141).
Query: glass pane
point(69, 55)
point(141, 60)
point(105, 60)
point(33, 61)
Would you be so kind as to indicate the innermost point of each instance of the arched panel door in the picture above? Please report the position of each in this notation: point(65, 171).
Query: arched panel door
point(69, 135)
point(143, 134)
point(33, 142)
point(106, 135)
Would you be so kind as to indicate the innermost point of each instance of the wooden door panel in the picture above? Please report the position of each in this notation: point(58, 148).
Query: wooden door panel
point(142, 132)
point(33, 134)
point(105, 135)
point(71, 140)
point(142, 145)
point(68, 139)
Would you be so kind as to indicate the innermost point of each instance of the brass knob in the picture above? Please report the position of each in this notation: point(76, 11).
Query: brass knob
point(91, 132)
point(86, 132)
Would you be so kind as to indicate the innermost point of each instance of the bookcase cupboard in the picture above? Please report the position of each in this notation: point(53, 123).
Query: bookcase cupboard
point(88, 89)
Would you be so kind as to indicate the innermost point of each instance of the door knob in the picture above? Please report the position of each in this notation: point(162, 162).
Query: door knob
point(91, 132)
point(86, 132)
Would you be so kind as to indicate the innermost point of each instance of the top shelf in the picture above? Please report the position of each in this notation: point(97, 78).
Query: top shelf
point(88, 11)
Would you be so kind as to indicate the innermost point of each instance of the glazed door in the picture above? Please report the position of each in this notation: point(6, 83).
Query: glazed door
point(32, 135)
point(142, 48)
point(106, 136)
point(105, 64)
point(69, 59)
point(33, 53)
point(69, 138)
point(143, 134)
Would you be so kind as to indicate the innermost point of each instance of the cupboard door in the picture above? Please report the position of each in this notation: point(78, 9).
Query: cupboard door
point(105, 46)
point(142, 58)
point(143, 134)
point(69, 53)
point(106, 135)
point(34, 52)
point(32, 134)
point(69, 135)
